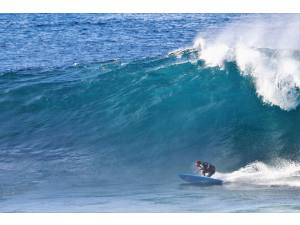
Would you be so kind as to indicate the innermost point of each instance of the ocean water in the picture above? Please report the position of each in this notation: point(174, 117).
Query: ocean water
point(101, 112)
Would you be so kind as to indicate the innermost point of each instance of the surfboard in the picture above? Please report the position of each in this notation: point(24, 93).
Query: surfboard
point(197, 179)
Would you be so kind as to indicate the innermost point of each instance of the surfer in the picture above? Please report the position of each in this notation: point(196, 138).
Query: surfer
point(205, 168)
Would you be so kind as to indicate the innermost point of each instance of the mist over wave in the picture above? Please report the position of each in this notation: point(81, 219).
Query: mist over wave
point(266, 49)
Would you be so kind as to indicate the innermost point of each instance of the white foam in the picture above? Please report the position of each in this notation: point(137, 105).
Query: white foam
point(278, 173)
point(199, 43)
point(276, 74)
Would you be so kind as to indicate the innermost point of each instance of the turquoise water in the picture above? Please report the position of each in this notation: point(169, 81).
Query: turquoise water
point(100, 112)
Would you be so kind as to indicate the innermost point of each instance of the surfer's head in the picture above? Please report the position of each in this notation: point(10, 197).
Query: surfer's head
point(198, 162)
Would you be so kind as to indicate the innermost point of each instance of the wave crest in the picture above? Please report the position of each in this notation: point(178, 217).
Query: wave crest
point(267, 51)
point(276, 76)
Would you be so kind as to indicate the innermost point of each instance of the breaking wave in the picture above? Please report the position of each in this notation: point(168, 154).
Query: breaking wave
point(268, 53)
point(231, 99)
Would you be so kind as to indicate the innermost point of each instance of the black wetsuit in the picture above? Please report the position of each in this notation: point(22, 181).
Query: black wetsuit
point(208, 169)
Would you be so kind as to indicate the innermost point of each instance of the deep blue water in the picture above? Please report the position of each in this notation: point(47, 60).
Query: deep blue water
point(100, 112)
point(60, 40)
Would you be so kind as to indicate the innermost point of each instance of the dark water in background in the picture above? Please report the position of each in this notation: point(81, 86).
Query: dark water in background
point(96, 115)
point(56, 40)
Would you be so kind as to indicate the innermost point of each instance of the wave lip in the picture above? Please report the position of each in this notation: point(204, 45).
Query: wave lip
point(276, 76)
point(267, 51)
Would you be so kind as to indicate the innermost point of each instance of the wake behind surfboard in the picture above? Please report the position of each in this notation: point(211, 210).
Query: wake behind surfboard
point(197, 179)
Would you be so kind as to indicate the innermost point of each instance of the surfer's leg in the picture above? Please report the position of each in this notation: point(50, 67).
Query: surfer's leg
point(211, 172)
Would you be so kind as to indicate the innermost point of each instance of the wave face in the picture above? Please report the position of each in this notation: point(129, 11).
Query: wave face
point(231, 99)
point(155, 114)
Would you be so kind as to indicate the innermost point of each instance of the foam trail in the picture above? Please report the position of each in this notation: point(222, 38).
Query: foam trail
point(279, 173)
point(266, 53)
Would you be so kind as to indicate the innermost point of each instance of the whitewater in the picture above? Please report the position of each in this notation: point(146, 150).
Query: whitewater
point(99, 113)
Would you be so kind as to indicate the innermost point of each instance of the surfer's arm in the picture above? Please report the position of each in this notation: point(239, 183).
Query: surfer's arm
point(201, 170)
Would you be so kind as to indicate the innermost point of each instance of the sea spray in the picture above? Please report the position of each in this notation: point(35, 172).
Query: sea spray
point(279, 172)
point(261, 51)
